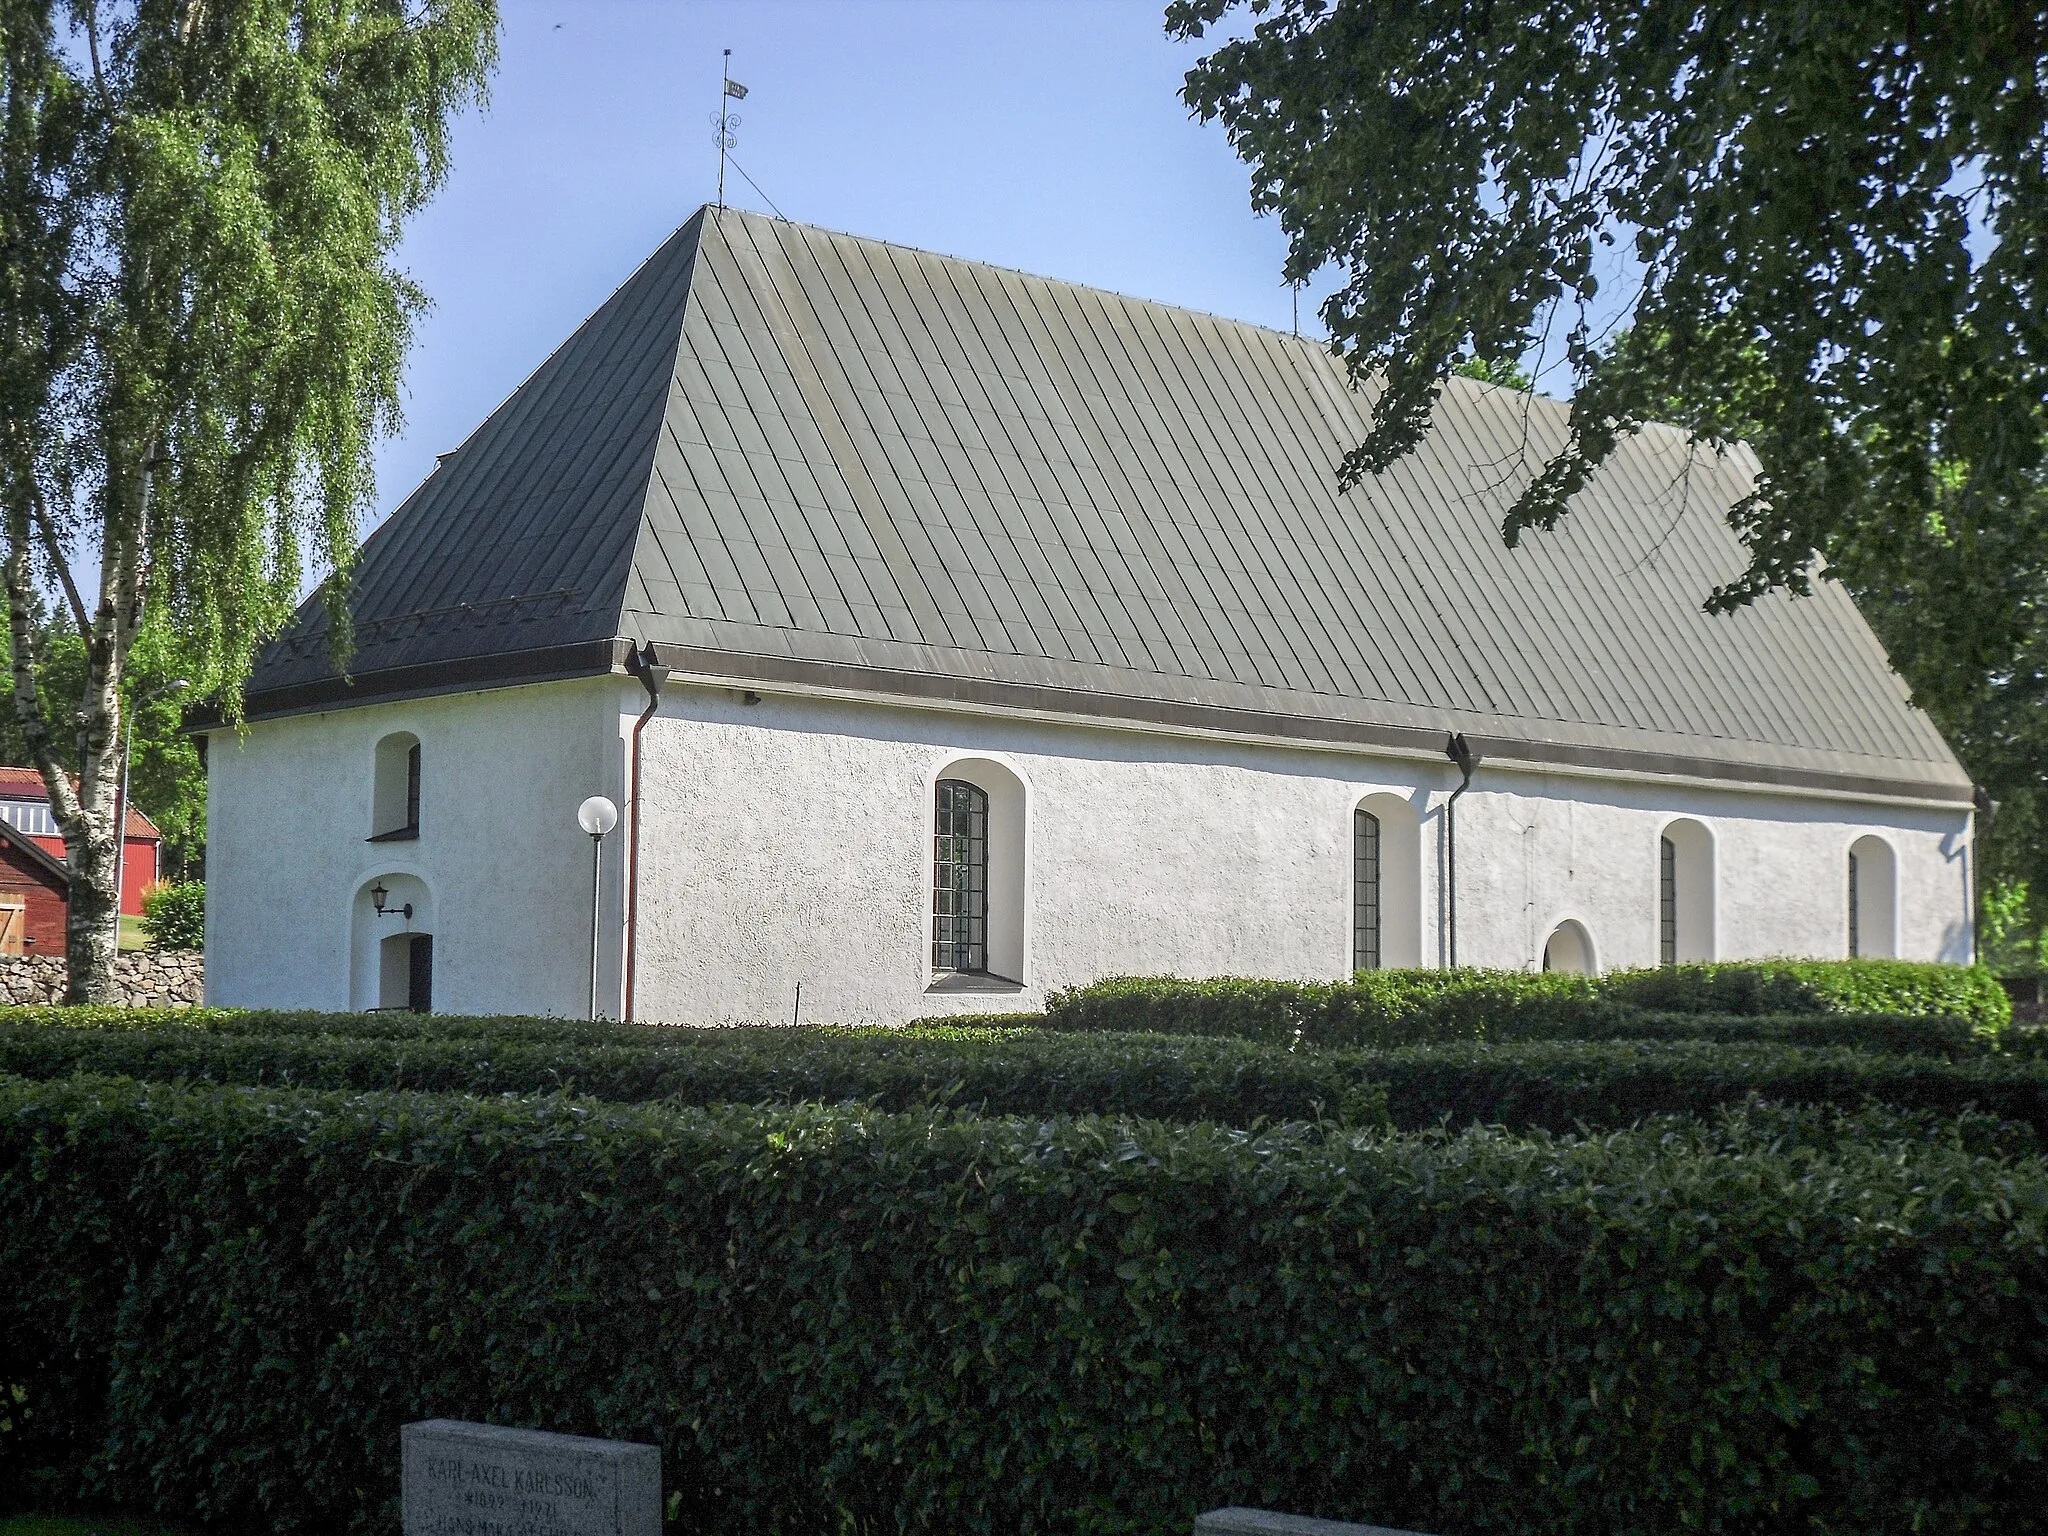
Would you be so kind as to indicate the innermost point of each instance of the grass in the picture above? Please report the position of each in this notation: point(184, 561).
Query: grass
point(53, 1525)
point(132, 937)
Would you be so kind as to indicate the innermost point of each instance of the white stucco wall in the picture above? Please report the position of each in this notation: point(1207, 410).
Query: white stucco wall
point(787, 843)
point(505, 869)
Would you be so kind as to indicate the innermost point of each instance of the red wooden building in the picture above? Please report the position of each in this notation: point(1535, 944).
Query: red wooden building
point(35, 889)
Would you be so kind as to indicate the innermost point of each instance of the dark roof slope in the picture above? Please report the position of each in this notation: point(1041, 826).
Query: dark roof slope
point(786, 454)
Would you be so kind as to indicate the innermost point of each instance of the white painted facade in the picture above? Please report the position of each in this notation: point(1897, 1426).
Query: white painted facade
point(787, 844)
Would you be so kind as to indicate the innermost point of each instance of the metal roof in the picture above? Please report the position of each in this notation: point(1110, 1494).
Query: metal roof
point(789, 454)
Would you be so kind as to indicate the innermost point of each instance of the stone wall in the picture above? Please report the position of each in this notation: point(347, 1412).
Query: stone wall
point(148, 978)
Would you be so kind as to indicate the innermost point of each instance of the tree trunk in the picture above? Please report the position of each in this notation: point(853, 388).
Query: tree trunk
point(92, 933)
point(86, 811)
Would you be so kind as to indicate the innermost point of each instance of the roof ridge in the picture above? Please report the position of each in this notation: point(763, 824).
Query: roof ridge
point(1042, 277)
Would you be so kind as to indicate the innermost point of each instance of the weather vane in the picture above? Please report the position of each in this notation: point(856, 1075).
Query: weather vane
point(725, 122)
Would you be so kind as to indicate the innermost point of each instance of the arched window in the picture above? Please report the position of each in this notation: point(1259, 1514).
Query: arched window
point(1667, 901)
point(1873, 900)
point(1386, 883)
point(395, 795)
point(960, 878)
point(1365, 890)
point(1685, 894)
point(1569, 949)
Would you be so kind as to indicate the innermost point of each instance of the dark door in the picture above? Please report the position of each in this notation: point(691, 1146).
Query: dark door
point(419, 992)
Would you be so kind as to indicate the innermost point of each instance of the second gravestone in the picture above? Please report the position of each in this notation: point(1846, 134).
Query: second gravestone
point(480, 1480)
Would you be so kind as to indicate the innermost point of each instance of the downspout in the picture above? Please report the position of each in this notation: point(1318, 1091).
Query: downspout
point(1459, 751)
point(652, 675)
point(1985, 808)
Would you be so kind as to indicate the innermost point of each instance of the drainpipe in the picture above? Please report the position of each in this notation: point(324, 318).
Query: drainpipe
point(652, 675)
point(1986, 810)
point(1459, 751)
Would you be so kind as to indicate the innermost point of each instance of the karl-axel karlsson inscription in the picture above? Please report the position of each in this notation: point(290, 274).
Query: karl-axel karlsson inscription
point(481, 1480)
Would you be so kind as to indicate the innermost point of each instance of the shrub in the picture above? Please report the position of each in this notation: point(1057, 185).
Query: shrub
point(226, 1302)
point(1817, 986)
point(1559, 1084)
point(1379, 1008)
point(1401, 1007)
point(174, 914)
point(1906, 1034)
point(1232, 1081)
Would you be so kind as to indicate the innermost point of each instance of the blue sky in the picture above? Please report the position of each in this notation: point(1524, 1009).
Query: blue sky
point(1040, 134)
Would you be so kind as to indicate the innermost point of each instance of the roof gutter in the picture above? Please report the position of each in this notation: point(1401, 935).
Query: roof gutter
point(652, 675)
point(1459, 751)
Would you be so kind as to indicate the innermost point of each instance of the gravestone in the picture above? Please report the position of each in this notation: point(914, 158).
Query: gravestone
point(1264, 1522)
point(481, 1480)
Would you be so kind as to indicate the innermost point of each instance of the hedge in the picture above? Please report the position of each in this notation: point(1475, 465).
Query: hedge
point(1555, 1085)
point(1559, 1084)
point(1817, 986)
point(224, 1302)
point(1232, 1081)
point(1401, 1007)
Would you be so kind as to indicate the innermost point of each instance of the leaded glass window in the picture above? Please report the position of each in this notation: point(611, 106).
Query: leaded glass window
point(960, 878)
point(1365, 891)
point(1667, 901)
point(1855, 917)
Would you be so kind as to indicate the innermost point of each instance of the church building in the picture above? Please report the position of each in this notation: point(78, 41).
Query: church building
point(944, 635)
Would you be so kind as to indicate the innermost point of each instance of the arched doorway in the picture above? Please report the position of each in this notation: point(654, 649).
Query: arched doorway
point(391, 947)
point(1569, 949)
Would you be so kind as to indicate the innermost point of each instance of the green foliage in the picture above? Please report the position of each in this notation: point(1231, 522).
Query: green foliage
point(1625, 1064)
point(1791, 199)
point(1560, 1085)
point(231, 1299)
point(174, 915)
point(203, 336)
point(1397, 1007)
point(168, 785)
point(1509, 375)
point(1833, 986)
point(2010, 938)
point(1230, 1081)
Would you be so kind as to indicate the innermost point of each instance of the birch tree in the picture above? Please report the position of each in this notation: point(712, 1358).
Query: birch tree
point(204, 330)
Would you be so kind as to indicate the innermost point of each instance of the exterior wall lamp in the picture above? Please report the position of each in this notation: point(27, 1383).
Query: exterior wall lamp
point(596, 816)
point(378, 896)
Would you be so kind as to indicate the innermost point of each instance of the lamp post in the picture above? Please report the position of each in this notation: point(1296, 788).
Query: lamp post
point(174, 686)
point(595, 816)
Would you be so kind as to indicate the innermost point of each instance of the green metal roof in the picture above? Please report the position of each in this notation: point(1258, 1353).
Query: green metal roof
point(796, 456)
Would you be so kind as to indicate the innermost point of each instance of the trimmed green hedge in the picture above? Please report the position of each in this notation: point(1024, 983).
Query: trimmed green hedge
point(1555, 1085)
point(1381, 1008)
point(1559, 1084)
point(224, 1302)
point(1232, 1081)
point(1817, 986)
point(1404, 1007)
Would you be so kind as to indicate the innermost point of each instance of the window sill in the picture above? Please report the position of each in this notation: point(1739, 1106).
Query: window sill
point(396, 835)
point(973, 981)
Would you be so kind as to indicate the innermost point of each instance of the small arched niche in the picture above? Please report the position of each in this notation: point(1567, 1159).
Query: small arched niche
point(395, 789)
point(1569, 949)
point(391, 951)
point(1685, 894)
point(1386, 884)
point(1873, 900)
point(979, 850)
